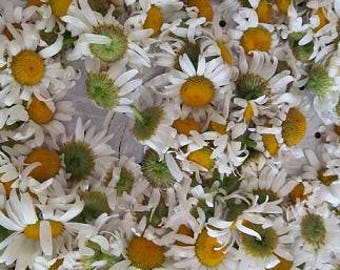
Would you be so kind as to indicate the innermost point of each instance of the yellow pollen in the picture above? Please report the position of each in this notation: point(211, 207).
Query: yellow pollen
point(265, 11)
point(184, 126)
point(39, 112)
point(270, 144)
point(204, 7)
point(36, 3)
point(248, 113)
point(184, 230)
point(32, 231)
point(256, 39)
point(337, 130)
point(8, 34)
point(197, 91)
point(154, 19)
point(282, 265)
point(144, 253)
point(322, 19)
point(326, 179)
point(294, 127)
point(60, 7)
point(298, 193)
point(50, 163)
point(283, 5)
point(225, 52)
point(202, 157)
point(208, 251)
point(219, 128)
point(28, 68)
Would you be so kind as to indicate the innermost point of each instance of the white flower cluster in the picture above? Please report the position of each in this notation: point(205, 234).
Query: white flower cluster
point(237, 106)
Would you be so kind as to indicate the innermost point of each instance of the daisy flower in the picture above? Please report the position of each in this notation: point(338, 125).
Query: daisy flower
point(104, 38)
point(30, 70)
point(33, 235)
point(113, 89)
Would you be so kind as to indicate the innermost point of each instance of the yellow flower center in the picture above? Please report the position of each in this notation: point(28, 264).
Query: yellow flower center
point(225, 52)
point(197, 91)
point(283, 5)
point(36, 3)
point(322, 19)
point(60, 7)
point(219, 128)
point(298, 193)
point(256, 39)
point(326, 179)
point(144, 253)
point(265, 11)
point(154, 19)
point(50, 163)
point(337, 130)
point(248, 113)
point(39, 112)
point(28, 68)
point(294, 127)
point(209, 252)
point(184, 126)
point(202, 157)
point(282, 265)
point(205, 8)
point(270, 144)
point(32, 231)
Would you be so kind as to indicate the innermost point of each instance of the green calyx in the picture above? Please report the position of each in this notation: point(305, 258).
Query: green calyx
point(95, 204)
point(78, 159)
point(260, 248)
point(228, 183)
point(264, 193)
point(101, 89)
point(156, 171)
point(125, 182)
point(303, 52)
point(208, 211)
point(116, 49)
point(147, 122)
point(235, 209)
point(319, 82)
point(87, 261)
point(313, 230)
point(251, 86)
point(192, 50)
point(100, 6)
point(4, 233)
point(160, 213)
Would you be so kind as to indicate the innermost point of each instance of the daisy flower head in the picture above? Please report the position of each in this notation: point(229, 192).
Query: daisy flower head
point(86, 152)
point(315, 235)
point(30, 68)
point(34, 234)
point(104, 38)
point(113, 89)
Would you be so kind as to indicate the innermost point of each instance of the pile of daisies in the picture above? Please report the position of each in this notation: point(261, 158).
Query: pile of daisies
point(236, 104)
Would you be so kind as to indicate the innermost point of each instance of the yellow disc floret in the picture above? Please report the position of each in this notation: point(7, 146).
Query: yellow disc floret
point(294, 127)
point(298, 193)
point(256, 39)
point(50, 163)
point(326, 179)
point(219, 128)
point(270, 144)
point(322, 19)
point(282, 265)
point(60, 7)
point(154, 19)
point(197, 91)
point(144, 253)
point(208, 251)
point(283, 5)
point(28, 68)
point(225, 52)
point(248, 113)
point(39, 112)
point(205, 8)
point(35, 3)
point(184, 126)
point(202, 157)
point(184, 230)
point(265, 11)
point(32, 231)
point(337, 130)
